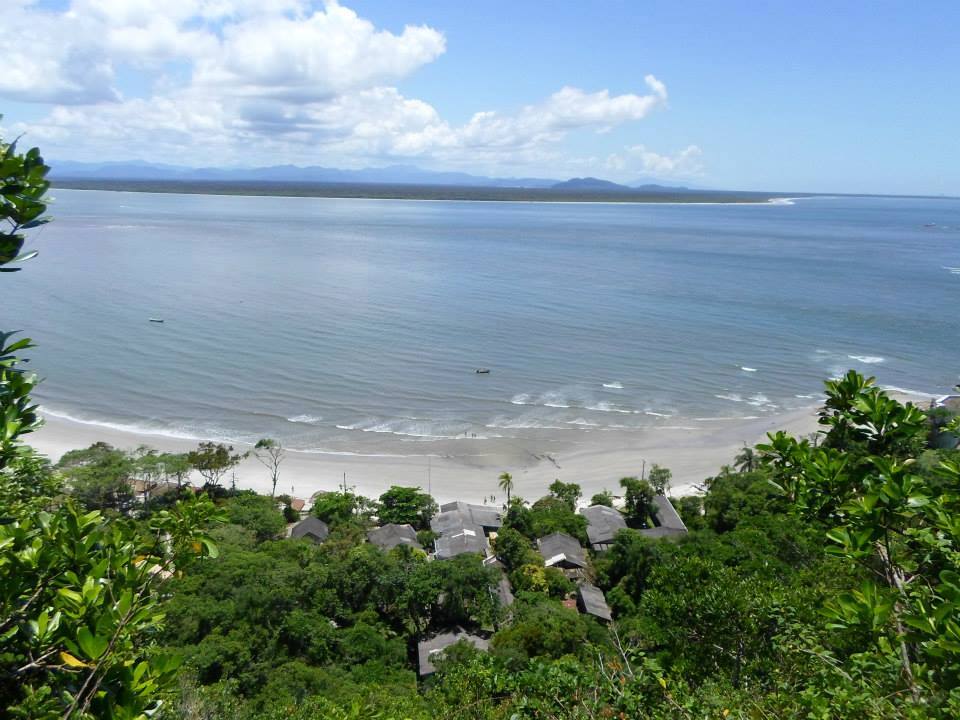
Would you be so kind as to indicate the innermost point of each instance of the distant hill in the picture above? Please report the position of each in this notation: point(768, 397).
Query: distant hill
point(653, 187)
point(590, 184)
point(392, 175)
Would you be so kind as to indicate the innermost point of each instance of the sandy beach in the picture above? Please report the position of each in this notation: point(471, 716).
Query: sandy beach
point(595, 460)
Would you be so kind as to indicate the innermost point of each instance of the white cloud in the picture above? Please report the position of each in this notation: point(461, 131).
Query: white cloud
point(639, 159)
point(314, 56)
point(256, 81)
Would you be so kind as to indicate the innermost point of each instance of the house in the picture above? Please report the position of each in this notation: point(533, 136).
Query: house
point(391, 535)
point(312, 528)
point(666, 520)
point(590, 600)
point(297, 505)
point(562, 551)
point(603, 524)
point(489, 518)
point(429, 649)
point(462, 539)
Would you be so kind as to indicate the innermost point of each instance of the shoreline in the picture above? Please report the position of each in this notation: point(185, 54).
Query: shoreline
point(596, 461)
point(762, 199)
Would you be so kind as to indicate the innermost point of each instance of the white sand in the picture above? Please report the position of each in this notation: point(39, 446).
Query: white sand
point(595, 459)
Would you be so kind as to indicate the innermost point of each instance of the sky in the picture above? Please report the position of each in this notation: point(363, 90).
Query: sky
point(852, 96)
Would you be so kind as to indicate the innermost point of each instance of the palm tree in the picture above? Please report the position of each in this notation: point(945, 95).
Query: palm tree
point(746, 460)
point(506, 483)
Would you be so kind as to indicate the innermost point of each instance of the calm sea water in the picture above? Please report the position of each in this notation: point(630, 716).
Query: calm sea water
point(336, 324)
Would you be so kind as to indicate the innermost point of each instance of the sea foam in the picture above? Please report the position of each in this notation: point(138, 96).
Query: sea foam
point(868, 359)
point(308, 419)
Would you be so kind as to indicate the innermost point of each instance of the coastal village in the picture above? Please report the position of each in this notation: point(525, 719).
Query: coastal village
point(462, 528)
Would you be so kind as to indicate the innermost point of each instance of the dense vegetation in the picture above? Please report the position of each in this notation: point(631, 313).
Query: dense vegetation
point(820, 579)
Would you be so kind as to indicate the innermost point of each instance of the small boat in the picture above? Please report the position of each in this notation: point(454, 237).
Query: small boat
point(929, 224)
point(482, 371)
point(156, 320)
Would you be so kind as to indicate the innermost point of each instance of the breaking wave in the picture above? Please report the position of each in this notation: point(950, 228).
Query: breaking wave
point(868, 359)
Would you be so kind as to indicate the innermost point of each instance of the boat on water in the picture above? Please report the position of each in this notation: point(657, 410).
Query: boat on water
point(482, 371)
point(156, 320)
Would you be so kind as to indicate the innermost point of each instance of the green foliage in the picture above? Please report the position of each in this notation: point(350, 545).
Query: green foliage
point(885, 516)
point(735, 497)
point(541, 629)
point(514, 549)
point(406, 506)
point(213, 461)
point(100, 477)
point(280, 621)
point(519, 517)
point(659, 479)
point(505, 483)
point(18, 412)
point(690, 509)
point(552, 514)
point(23, 185)
point(78, 594)
point(602, 498)
point(638, 501)
point(339, 507)
point(569, 493)
point(256, 513)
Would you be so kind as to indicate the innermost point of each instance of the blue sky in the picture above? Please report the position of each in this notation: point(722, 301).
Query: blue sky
point(814, 96)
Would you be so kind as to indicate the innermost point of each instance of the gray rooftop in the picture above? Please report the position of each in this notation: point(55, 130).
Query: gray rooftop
point(590, 600)
point(561, 549)
point(667, 520)
point(486, 516)
point(460, 540)
point(428, 649)
point(449, 521)
point(312, 528)
point(603, 523)
point(391, 535)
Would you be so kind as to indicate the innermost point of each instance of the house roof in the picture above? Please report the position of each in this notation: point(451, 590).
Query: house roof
point(311, 527)
point(428, 649)
point(297, 504)
point(391, 535)
point(603, 523)
point(485, 516)
point(559, 548)
point(667, 520)
point(449, 521)
point(590, 600)
point(465, 539)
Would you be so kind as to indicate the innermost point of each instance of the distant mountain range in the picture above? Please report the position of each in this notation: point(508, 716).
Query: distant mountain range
point(592, 184)
point(390, 175)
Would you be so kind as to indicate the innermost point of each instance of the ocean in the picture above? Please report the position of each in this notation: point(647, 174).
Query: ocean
point(352, 326)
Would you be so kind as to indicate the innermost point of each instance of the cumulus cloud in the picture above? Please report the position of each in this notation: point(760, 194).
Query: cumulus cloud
point(249, 81)
point(640, 159)
point(314, 56)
